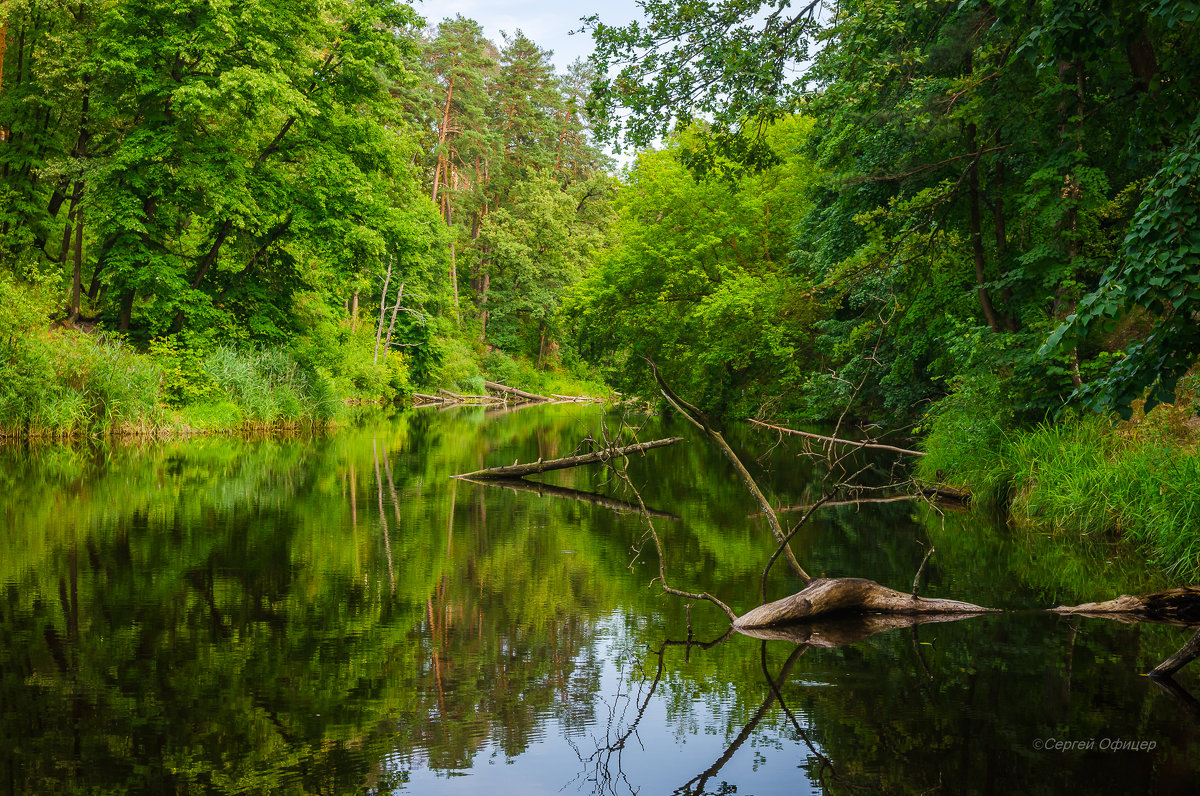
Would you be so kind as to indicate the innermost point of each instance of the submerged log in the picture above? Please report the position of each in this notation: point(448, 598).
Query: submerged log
point(1180, 606)
point(829, 596)
point(549, 490)
point(945, 492)
point(542, 466)
point(528, 396)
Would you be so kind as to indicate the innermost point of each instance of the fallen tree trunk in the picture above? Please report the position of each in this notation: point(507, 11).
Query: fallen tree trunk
point(429, 398)
point(1180, 606)
point(549, 490)
point(578, 399)
point(528, 396)
point(542, 466)
point(468, 398)
point(828, 596)
point(1186, 654)
point(944, 492)
point(877, 446)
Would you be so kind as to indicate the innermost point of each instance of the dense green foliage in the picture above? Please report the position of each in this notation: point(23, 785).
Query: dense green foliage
point(207, 184)
point(992, 224)
point(990, 172)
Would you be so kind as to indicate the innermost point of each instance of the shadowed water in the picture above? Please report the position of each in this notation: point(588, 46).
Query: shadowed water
point(334, 614)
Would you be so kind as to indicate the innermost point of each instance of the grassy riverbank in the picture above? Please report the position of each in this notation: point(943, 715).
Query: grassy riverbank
point(1083, 475)
point(65, 383)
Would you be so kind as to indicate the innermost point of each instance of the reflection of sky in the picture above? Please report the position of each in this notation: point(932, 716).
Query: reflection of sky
point(666, 751)
point(547, 22)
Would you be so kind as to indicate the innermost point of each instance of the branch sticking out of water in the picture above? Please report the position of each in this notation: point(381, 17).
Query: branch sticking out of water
point(697, 418)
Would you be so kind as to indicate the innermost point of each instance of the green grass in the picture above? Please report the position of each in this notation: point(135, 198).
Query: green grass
point(1080, 476)
point(64, 384)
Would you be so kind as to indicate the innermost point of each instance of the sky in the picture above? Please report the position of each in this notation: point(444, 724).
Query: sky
point(547, 22)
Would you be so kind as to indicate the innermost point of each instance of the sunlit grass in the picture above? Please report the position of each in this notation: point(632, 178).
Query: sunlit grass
point(1086, 477)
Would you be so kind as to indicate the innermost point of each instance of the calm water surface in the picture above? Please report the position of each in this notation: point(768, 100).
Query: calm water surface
point(335, 614)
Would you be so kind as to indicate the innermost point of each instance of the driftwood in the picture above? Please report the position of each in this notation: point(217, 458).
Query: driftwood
point(528, 396)
point(549, 490)
point(830, 596)
point(1179, 606)
point(877, 446)
point(542, 466)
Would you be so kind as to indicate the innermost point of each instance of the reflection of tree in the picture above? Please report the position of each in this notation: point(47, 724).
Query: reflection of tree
point(603, 767)
point(219, 616)
point(696, 785)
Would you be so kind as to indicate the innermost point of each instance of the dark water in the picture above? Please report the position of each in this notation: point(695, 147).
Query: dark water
point(335, 615)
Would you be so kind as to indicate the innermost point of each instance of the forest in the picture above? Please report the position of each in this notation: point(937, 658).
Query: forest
point(972, 224)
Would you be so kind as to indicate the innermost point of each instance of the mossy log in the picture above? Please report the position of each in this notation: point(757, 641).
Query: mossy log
point(825, 597)
point(1179, 606)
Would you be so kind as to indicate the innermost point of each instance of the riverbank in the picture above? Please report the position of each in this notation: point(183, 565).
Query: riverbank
point(63, 384)
point(1083, 476)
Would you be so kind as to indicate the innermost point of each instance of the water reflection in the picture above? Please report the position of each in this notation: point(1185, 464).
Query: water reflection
point(334, 614)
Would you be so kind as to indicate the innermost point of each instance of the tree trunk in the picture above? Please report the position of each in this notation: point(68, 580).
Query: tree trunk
point(829, 596)
point(354, 312)
point(382, 308)
point(387, 344)
point(549, 490)
point(836, 441)
point(126, 315)
point(529, 396)
point(77, 277)
point(1178, 606)
point(1001, 232)
point(484, 281)
point(985, 299)
point(454, 285)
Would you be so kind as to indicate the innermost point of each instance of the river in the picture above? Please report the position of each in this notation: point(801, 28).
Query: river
point(333, 613)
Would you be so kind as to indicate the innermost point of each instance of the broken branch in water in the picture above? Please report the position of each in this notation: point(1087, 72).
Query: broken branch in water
point(1186, 654)
point(868, 444)
point(697, 418)
point(621, 473)
point(544, 490)
point(605, 454)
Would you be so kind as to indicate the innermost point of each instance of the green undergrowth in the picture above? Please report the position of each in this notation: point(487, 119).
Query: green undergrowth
point(65, 383)
point(1082, 475)
point(559, 380)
